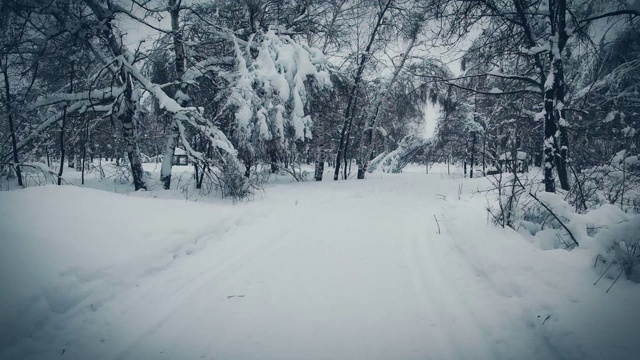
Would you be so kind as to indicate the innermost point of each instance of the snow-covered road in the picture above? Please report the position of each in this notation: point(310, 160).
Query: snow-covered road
point(345, 270)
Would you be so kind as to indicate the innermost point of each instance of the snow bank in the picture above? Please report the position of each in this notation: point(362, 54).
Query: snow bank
point(400, 266)
point(67, 250)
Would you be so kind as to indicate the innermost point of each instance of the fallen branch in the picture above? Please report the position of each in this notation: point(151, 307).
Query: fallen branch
point(550, 212)
point(615, 281)
point(605, 271)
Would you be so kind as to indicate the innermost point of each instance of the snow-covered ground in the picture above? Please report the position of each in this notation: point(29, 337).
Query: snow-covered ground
point(394, 267)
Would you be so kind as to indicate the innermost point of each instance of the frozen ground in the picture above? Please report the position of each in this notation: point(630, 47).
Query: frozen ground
point(330, 270)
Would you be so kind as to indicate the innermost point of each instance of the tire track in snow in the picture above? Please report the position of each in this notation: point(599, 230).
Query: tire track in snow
point(390, 289)
point(435, 272)
point(531, 342)
point(180, 295)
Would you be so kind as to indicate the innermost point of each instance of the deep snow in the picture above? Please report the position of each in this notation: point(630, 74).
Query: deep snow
point(330, 270)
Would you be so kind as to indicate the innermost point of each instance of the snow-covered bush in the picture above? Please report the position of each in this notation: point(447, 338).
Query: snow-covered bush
point(616, 183)
point(38, 174)
point(620, 244)
point(516, 201)
point(552, 222)
point(230, 180)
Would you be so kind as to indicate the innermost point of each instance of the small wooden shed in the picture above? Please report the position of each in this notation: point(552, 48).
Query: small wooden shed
point(180, 157)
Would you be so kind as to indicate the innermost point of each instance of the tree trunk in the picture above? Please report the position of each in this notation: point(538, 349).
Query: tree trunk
point(62, 126)
point(71, 157)
point(484, 150)
point(77, 161)
point(550, 130)
point(274, 161)
point(561, 162)
point(549, 144)
point(549, 141)
point(167, 160)
point(473, 153)
point(196, 173)
point(84, 151)
point(199, 181)
point(365, 150)
point(362, 167)
point(247, 170)
point(426, 163)
point(12, 129)
point(554, 153)
point(127, 117)
point(319, 156)
point(350, 110)
point(126, 113)
point(172, 136)
point(346, 146)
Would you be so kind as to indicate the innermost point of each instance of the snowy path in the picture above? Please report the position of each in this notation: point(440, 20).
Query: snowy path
point(352, 270)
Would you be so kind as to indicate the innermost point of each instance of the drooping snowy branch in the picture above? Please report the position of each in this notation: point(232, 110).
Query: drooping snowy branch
point(269, 92)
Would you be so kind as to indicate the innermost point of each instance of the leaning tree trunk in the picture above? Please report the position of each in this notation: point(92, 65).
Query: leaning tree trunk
point(172, 136)
point(350, 110)
point(126, 113)
point(347, 163)
point(365, 150)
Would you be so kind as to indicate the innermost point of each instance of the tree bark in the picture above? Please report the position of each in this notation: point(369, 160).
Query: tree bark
point(127, 117)
point(172, 136)
point(71, 157)
point(77, 161)
point(549, 141)
point(84, 151)
point(484, 151)
point(171, 142)
point(562, 155)
point(556, 142)
point(12, 129)
point(473, 153)
point(559, 86)
point(319, 155)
